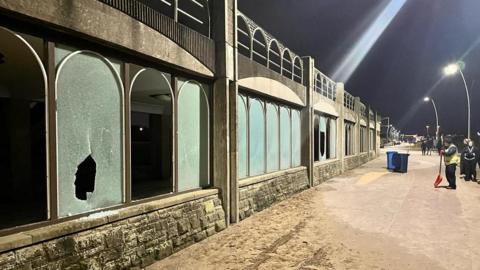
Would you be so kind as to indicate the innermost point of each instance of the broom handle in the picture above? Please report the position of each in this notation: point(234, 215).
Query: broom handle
point(440, 167)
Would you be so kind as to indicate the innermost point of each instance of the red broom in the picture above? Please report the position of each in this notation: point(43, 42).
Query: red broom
point(439, 177)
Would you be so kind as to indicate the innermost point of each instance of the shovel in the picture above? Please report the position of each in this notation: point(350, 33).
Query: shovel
point(439, 177)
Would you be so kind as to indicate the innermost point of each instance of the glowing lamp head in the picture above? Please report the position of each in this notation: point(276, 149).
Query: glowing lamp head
point(451, 69)
point(426, 99)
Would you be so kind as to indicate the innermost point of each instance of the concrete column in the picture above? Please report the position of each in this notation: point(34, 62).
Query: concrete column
point(223, 29)
point(368, 130)
point(377, 134)
point(307, 117)
point(358, 116)
point(340, 89)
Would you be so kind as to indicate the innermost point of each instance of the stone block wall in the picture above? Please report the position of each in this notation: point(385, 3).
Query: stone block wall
point(134, 242)
point(259, 196)
point(324, 171)
point(354, 161)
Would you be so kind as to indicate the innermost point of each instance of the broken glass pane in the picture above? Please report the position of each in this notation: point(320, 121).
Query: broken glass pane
point(89, 132)
point(193, 132)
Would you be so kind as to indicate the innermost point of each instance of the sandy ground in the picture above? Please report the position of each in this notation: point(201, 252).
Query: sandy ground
point(366, 219)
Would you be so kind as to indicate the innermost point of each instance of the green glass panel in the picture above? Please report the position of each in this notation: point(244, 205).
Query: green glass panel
point(193, 133)
point(285, 139)
point(257, 138)
point(273, 151)
point(241, 137)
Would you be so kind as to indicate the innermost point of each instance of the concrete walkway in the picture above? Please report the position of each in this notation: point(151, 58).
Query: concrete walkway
point(366, 219)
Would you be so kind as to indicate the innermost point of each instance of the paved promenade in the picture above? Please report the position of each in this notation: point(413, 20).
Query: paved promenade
point(366, 219)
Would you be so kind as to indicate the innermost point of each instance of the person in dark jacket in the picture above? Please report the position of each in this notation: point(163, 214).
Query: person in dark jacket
point(424, 148)
point(451, 160)
point(470, 161)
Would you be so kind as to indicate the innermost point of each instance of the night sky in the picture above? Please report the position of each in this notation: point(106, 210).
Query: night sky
point(403, 66)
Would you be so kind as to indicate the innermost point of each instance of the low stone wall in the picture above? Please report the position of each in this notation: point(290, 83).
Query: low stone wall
point(260, 192)
point(326, 170)
point(353, 162)
point(133, 242)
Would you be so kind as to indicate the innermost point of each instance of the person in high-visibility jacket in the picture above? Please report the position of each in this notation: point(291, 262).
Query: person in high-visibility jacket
point(450, 154)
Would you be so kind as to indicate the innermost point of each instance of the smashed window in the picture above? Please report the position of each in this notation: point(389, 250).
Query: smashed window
point(193, 135)
point(151, 133)
point(23, 176)
point(89, 132)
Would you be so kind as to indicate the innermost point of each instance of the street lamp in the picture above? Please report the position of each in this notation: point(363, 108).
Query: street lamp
point(427, 129)
point(452, 69)
point(427, 99)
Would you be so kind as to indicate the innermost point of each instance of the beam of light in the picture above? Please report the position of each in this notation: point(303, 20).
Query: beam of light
point(357, 53)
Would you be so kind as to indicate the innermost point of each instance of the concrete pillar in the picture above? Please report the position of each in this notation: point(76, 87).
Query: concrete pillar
point(307, 117)
point(223, 29)
point(377, 134)
point(358, 116)
point(340, 89)
point(369, 120)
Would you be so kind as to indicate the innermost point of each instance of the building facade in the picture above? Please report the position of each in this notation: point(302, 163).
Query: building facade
point(134, 128)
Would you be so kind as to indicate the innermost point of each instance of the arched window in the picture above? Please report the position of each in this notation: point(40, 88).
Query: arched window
point(256, 115)
point(151, 102)
point(244, 38)
point(274, 57)
point(23, 163)
point(193, 135)
point(297, 70)
point(273, 140)
point(285, 138)
point(296, 139)
point(89, 132)
point(259, 47)
point(287, 64)
point(325, 87)
point(195, 14)
point(242, 158)
point(330, 89)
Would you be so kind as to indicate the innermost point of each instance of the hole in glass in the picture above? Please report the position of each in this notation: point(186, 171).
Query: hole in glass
point(85, 178)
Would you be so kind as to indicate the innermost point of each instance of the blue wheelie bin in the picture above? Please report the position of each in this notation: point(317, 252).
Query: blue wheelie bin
point(390, 154)
point(400, 162)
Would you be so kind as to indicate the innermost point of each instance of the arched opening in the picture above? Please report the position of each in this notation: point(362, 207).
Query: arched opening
point(297, 70)
point(259, 47)
point(195, 14)
point(151, 133)
point(89, 124)
point(287, 64)
point(23, 175)
point(274, 57)
point(318, 83)
point(193, 136)
point(243, 37)
point(316, 138)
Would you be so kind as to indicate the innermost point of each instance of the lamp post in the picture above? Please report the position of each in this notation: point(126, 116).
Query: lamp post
point(452, 69)
point(427, 99)
point(427, 129)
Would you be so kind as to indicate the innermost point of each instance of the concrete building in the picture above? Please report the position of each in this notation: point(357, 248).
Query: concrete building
point(134, 128)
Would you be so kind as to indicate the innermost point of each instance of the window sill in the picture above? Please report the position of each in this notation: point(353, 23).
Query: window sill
point(52, 231)
point(265, 177)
